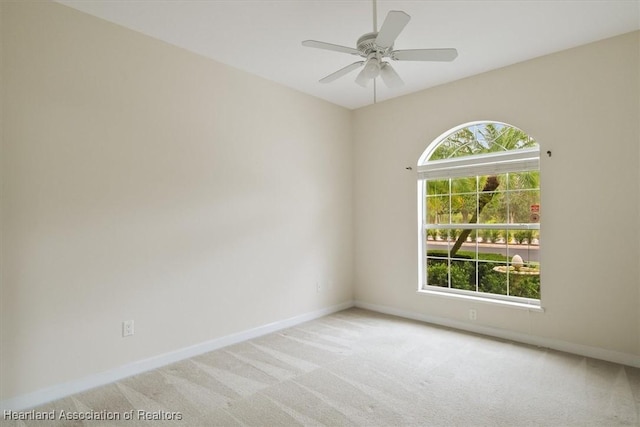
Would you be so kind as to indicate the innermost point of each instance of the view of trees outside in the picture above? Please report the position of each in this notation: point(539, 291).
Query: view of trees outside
point(476, 224)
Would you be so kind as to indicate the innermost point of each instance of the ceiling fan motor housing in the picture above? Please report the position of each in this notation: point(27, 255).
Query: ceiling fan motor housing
point(367, 45)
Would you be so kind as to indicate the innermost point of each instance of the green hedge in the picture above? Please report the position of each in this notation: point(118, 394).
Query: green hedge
point(463, 274)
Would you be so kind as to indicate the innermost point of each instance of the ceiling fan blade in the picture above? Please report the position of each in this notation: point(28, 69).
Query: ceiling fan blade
point(444, 55)
point(393, 24)
point(390, 77)
point(329, 46)
point(341, 72)
point(362, 79)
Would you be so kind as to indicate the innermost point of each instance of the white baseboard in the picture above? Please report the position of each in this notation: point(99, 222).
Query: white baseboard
point(59, 391)
point(551, 343)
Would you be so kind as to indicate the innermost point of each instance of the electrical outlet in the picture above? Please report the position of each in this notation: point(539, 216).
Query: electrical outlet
point(127, 328)
point(473, 314)
point(318, 287)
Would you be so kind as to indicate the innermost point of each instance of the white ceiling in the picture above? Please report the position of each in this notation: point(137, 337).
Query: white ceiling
point(264, 37)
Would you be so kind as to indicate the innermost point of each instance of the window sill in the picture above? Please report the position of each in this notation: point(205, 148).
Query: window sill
point(491, 301)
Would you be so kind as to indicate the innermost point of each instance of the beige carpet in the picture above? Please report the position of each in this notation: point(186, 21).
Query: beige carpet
point(361, 368)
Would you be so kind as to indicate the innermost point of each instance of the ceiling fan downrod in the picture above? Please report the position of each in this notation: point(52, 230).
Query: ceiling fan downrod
point(375, 16)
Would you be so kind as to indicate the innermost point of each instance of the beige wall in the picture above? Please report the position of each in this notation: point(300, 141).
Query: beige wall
point(141, 181)
point(583, 105)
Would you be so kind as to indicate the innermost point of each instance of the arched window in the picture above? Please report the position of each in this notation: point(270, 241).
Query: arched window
point(479, 213)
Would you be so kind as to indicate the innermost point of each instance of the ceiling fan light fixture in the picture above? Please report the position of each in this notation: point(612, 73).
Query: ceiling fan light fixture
point(372, 68)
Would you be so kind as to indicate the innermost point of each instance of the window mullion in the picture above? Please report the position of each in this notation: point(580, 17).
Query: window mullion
point(481, 226)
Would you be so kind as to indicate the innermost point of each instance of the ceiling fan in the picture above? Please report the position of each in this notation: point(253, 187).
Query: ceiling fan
point(377, 46)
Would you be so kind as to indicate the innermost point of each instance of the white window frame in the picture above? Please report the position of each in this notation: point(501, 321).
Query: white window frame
point(512, 161)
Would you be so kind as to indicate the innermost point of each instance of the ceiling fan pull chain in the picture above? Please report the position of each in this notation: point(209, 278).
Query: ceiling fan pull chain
point(375, 95)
